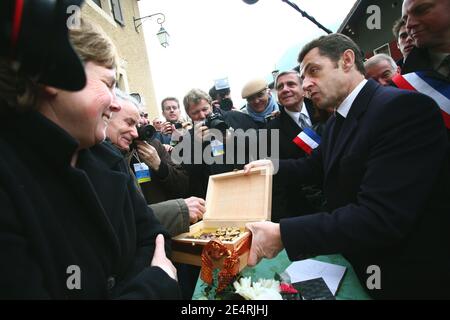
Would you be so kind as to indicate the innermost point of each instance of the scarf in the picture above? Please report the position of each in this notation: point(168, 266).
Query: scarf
point(261, 116)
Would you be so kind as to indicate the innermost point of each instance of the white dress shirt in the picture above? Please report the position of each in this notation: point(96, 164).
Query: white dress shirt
point(296, 115)
point(344, 107)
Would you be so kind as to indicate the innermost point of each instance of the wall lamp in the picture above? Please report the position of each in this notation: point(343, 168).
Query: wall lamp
point(163, 35)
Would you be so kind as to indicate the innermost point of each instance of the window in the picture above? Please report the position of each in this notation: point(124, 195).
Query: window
point(117, 12)
point(98, 2)
point(383, 49)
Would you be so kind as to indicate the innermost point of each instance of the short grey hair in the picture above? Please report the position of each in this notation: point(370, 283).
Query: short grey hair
point(294, 72)
point(376, 59)
point(128, 98)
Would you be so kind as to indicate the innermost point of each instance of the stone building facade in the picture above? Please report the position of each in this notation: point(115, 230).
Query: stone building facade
point(116, 18)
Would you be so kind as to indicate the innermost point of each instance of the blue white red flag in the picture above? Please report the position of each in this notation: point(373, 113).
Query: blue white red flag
point(436, 89)
point(308, 140)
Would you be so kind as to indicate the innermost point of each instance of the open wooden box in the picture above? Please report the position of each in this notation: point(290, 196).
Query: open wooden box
point(232, 200)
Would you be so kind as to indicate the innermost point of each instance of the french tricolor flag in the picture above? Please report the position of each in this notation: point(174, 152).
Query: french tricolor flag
point(436, 89)
point(307, 140)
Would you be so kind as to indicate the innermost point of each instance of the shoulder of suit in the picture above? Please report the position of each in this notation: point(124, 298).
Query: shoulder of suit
point(274, 121)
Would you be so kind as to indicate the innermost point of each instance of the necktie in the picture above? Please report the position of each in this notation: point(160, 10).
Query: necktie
point(303, 121)
point(337, 128)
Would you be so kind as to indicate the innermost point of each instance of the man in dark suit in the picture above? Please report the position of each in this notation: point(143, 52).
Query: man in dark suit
point(427, 67)
point(383, 163)
point(428, 24)
point(290, 198)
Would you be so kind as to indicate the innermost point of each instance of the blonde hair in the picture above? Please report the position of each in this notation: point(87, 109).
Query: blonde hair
point(92, 44)
point(89, 41)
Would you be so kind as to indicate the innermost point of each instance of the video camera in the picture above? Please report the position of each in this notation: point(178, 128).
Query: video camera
point(34, 35)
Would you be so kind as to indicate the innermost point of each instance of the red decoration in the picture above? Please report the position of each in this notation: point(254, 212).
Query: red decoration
point(215, 251)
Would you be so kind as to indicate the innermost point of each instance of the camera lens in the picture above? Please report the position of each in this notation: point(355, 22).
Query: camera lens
point(146, 133)
point(226, 104)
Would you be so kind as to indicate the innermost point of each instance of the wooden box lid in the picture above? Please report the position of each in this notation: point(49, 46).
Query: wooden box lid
point(234, 196)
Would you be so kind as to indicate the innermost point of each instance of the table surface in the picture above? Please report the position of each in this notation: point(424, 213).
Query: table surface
point(350, 288)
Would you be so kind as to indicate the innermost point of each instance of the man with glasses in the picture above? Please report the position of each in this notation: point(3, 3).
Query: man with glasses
point(171, 111)
point(260, 103)
point(158, 122)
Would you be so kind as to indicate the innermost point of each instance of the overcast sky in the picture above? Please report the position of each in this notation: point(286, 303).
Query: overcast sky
point(212, 39)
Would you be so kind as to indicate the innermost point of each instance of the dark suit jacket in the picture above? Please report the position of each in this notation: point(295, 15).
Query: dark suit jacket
point(288, 130)
point(387, 184)
point(419, 60)
point(289, 197)
point(53, 216)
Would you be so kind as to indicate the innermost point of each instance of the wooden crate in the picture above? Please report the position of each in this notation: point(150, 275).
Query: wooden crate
point(233, 199)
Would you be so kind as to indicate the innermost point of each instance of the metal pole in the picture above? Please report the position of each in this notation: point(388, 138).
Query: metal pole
point(307, 16)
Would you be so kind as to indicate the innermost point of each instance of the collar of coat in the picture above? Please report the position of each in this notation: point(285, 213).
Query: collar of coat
point(59, 146)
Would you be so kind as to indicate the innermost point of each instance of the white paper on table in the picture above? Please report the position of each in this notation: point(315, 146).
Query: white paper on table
point(309, 269)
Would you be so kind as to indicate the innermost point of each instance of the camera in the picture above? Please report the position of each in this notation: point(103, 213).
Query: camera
point(226, 104)
point(178, 125)
point(146, 133)
point(216, 121)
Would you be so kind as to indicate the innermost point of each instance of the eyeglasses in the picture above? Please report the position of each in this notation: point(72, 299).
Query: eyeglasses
point(258, 95)
point(168, 108)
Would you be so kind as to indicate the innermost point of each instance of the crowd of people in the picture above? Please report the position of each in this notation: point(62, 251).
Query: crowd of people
point(362, 152)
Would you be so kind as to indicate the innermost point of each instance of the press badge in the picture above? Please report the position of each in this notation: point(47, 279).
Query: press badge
point(217, 148)
point(142, 172)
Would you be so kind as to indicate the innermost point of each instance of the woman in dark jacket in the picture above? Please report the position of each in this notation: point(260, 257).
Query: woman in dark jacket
point(72, 225)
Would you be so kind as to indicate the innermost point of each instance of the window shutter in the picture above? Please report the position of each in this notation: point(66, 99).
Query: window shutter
point(117, 12)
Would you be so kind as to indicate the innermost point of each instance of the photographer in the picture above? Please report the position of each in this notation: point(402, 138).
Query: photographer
point(163, 180)
point(197, 104)
point(221, 99)
point(73, 225)
point(260, 103)
point(173, 129)
point(177, 214)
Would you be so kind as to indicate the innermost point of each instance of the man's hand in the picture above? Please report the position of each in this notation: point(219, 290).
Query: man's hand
point(168, 148)
point(196, 208)
point(266, 241)
point(148, 154)
point(160, 258)
point(257, 164)
point(167, 128)
point(201, 132)
point(215, 104)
